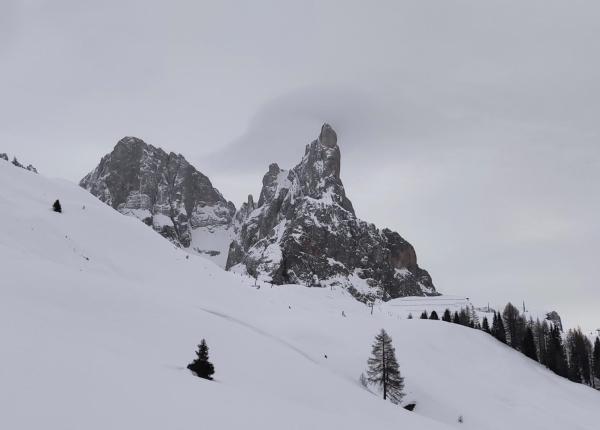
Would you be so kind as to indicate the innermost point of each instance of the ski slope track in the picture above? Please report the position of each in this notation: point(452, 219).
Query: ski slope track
point(99, 316)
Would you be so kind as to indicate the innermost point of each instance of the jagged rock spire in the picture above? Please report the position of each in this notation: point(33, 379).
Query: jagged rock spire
point(304, 230)
point(328, 137)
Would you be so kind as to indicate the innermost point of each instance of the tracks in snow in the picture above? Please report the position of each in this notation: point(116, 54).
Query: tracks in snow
point(262, 333)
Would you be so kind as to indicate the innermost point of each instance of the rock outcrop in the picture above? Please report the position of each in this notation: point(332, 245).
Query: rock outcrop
point(304, 230)
point(164, 191)
point(16, 163)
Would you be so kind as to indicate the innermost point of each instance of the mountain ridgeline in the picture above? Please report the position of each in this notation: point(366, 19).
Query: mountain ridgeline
point(302, 230)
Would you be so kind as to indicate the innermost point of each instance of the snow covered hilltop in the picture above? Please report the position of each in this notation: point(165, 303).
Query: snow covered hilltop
point(302, 230)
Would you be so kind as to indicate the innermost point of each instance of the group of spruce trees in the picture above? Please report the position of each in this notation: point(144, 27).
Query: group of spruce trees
point(572, 356)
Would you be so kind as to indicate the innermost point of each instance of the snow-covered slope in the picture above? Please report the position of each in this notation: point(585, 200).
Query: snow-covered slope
point(99, 316)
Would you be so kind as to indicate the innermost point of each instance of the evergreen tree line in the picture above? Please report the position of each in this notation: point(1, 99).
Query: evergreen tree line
point(572, 356)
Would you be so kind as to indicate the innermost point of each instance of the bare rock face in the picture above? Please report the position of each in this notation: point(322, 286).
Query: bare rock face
point(304, 230)
point(554, 317)
point(162, 190)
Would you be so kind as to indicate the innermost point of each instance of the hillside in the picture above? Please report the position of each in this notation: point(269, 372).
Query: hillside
point(99, 316)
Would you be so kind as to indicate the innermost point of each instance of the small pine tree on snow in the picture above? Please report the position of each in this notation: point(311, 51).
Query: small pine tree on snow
point(424, 315)
point(528, 347)
point(485, 325)
point(201, 366)
point(447, 316)
point(410, 316)
point(56, 207)
point(434, 316)
point(383, 368)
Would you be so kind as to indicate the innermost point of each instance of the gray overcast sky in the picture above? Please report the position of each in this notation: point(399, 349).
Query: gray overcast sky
point(469, 126)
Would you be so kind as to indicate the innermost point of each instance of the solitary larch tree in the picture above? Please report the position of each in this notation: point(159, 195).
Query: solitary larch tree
point(201, 366)
point(383, 368)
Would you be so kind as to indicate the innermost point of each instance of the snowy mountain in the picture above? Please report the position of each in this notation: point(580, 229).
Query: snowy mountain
point(303, 230)
point(166, 192)
point(98, 324)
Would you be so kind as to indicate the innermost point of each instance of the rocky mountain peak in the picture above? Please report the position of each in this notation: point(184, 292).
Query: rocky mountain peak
point(304, 230)
point(328, 136)
point(270, 184)
point(318, 174)
point(162, 190)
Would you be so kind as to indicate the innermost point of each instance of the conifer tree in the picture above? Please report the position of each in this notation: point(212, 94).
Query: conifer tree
point(579, 348)
point(473, 317)
point(573, 369)
point(56, 207)
point(556, 359)
point(541, 334)
point(528, 343)
point(464, 317)
point(201, 366)
point(512, 322)
point(424, 315)
point(498, 328)
point(456, 318)
point(485, 325)
point(434, 316)
point(596, 359)
point(383, 368)
point(447, 316)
